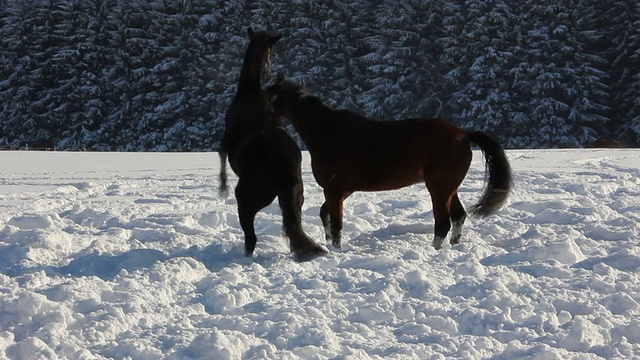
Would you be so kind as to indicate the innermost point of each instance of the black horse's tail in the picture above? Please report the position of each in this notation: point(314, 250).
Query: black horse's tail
point(500, 178)
point(290, 199)
point(223, 188)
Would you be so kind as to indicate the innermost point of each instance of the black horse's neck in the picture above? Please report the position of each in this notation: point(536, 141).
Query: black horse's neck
point(250, 110)
point(253, 68)
point(255, 65)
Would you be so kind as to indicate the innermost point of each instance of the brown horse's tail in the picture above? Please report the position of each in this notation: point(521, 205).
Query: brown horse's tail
point(500, 178)
point(223, 188)
point(290, 199)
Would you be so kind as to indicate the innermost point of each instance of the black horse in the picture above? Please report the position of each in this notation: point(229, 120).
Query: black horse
point(262, 154)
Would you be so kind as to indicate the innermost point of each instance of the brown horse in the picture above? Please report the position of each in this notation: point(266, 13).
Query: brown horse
point(262, 154)
point(350, 152)
point(606, 143)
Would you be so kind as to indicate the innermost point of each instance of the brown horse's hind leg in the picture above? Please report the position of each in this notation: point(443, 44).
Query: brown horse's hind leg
point(443, 179)
point(458, 216)
point(442, 223)
point(441, 195)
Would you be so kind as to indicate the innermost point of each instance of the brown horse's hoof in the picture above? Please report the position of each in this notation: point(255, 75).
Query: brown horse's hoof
point(308, 254)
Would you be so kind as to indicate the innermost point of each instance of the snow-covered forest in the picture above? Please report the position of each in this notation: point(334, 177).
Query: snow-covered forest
point(158, 75)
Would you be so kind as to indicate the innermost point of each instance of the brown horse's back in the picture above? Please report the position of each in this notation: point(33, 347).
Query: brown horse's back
point(406, 148)
point(606, 143)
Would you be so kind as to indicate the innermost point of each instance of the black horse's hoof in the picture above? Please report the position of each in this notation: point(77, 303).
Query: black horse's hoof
point(337, 244)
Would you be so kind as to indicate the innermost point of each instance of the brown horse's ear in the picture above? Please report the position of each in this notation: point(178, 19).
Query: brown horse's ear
point(279, 78)
point(274, 39)
point(273, 98)
point(250, 32)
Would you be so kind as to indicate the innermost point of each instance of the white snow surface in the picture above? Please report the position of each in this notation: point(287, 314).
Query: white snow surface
point(135, 256)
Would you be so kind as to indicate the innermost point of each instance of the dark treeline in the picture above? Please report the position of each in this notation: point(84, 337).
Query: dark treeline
point(158, 75)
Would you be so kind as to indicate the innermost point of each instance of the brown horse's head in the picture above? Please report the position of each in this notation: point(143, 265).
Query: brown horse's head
point(257, 61)
point(284, 94)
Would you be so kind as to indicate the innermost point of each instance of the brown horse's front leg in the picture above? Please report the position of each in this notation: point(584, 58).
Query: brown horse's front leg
point(334, 207)
point(324, 216)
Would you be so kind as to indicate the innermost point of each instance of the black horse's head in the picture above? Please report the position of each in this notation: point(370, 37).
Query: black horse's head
point(258, 55)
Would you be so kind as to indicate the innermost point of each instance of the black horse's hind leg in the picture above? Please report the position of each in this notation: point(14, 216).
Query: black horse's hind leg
point(458, 216)
point(223, 189)
point(291, 199)
point(250, 201)
point(247, 217)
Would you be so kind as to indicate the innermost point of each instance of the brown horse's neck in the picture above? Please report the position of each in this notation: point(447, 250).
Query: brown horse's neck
point(311, 119)
point(252, 72)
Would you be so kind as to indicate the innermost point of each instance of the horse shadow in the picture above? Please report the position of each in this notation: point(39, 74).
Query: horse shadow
point(214, 257)
point(108, 266)
point(378, 237)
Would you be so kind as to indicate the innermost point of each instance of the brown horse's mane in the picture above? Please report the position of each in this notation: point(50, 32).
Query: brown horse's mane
point(302, 93)
point(306, 98)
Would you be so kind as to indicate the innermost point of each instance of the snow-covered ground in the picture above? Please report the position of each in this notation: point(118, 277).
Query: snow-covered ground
point(134, 256)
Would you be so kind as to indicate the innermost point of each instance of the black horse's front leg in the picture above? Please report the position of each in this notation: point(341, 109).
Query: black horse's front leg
point(223, 187)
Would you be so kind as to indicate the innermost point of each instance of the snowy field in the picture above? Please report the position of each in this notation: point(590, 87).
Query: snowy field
point(134, 256)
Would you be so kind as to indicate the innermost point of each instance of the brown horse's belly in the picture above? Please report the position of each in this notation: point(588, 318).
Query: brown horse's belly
point(369, 179)
point(388, 182)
